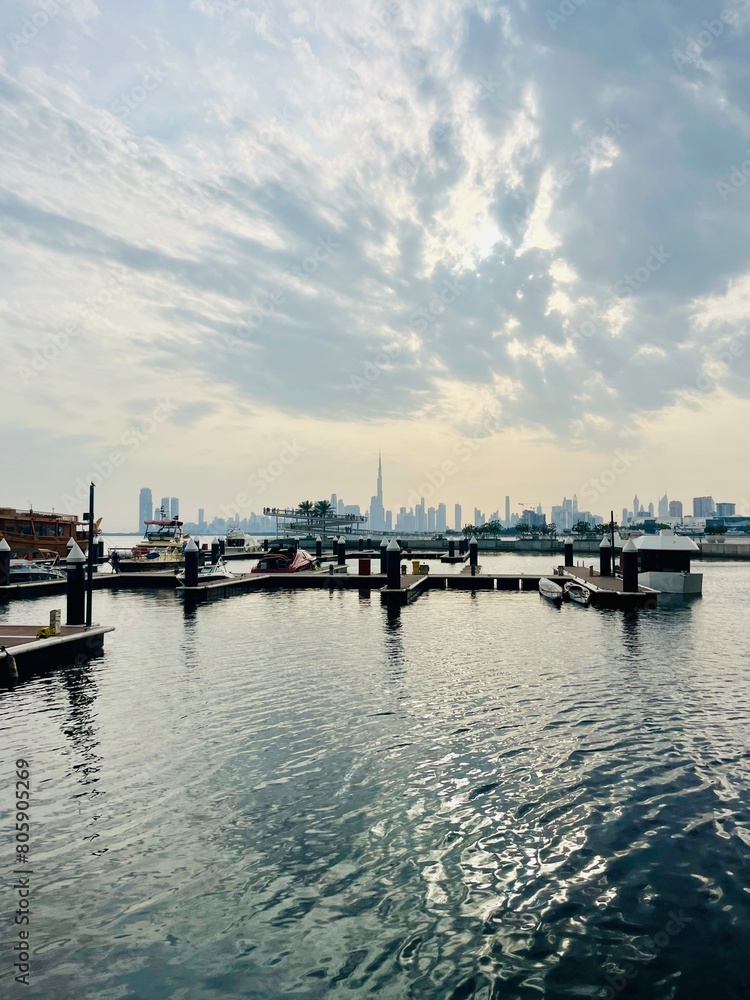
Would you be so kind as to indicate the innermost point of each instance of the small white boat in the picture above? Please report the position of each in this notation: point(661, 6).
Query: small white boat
point(578, 593)
point(551, 590)
point(35, 570)
point(208, 573)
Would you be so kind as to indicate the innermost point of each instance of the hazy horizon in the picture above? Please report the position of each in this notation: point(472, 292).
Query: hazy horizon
point(248, 248)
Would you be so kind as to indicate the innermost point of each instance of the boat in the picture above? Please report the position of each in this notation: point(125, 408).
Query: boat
point(578, 593)
point(551, 590)
point(35, 533)
point(664, 563)
point(35, 570)
point(162, 545)
point(280, 559)
point(237, 542)
point(208, 573)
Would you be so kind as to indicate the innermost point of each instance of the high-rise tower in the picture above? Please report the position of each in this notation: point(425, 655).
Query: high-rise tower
point(377, 512)
point(145, 508)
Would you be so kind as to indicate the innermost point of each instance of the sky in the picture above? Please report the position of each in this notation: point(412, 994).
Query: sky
point(248, 246)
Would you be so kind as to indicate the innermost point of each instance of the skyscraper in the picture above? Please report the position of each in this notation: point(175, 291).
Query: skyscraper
point(377, 511)
point(636, 506)
point(145, 507)
point(507, 512)
point(675, 508)
point(164, 509)
point(703, 506)
point(174, 508)
point(664, 505)
point(457, 517)
point(441, 518)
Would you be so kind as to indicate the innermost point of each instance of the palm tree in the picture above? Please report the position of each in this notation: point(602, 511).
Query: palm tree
point(322, 509)
point(306, 508)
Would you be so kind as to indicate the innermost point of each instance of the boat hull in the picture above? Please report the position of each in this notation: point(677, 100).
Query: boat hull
point(672, 583)
point(551, 590)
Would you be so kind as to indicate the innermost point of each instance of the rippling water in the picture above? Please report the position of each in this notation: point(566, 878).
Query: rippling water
point(303, 795)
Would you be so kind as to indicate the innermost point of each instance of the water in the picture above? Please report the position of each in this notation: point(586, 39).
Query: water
point(301, 795)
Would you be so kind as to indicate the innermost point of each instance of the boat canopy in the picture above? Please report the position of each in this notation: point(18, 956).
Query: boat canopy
point(665, 541)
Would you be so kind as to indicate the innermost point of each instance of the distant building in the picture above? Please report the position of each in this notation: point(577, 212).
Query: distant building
point(389, 520)
point(441, 517)
point(636, 507)
point(145, 508)
point(664, 505)
point(533, 519)
point(625, 516)
point(725, 509)
point(420, 516)
point(457, 517)
point(650, 510)
point(703, 506)
point(478, 518)
point(431, 519)
point(675, 508)
point(164, 509)
point(201, 517)
point(174, 508)
point(507, 512)
point(377, 510)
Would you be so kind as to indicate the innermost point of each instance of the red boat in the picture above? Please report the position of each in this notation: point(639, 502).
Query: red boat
point(280, 560)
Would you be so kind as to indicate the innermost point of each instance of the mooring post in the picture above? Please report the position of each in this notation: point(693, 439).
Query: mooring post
point(369, 543)
point(215, 552)
point(265, 545)
point(452, 548)
point(361, 547)
point(76, 586)
point(384, 556)
point(342, 551)
point(473, 554)
point(191, 564)
point(222, 546)
point(393, 565)
point(4, 563)
point(629, 564)
point(318, 547)
point(605, 557)
point(568, 553)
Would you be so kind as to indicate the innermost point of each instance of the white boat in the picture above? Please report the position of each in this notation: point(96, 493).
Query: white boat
point(578, 593)
point(551, 590)
point(35, 570)
point(208, 573)
point(664, 563)
point(236, 541)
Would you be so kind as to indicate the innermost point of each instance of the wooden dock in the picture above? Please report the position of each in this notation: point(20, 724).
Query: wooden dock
point(606, 591)
point(73, 644)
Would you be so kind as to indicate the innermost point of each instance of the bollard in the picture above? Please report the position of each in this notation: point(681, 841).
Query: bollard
point(76, 586)
point(473, 553)
point(393, 566)
point(222, 546)
point(568, 551)
point(215, 552)
point(341, 549)
point(364, 567)
point(318, 547)
point(452, 549)
point(265, 545)
point(100, 557)
point(191, 564)
point(369, 544)
point(629, 563)
point(384, 556)
point(605, 557)
point(4, 563)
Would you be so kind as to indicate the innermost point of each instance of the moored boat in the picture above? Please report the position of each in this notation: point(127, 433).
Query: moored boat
point(35, 570)
point(208, 573)
point(551, 590)
point(34, 533)
point(664, 563)
point(161, 547)
point(239, 542)
point(578, 593)
point(284, 560)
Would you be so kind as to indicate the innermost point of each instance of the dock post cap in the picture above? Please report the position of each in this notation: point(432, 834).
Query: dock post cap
point(318, 538)
point(4, 547)
point(71, 543)
point(191, 546)
point(341, 541)
point(605, 543)
point(630, 546)
point(384, 544)
point(393, 546)
point(75, 555)
point(473, 540)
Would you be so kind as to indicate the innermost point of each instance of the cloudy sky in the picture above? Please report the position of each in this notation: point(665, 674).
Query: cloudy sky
point(248, 245)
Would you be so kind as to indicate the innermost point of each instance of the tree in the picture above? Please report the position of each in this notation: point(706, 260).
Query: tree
point(306, 507)
point(522, 529)
point(322, 509)
point(469, 529)
point(493, 528)
point(581, 528)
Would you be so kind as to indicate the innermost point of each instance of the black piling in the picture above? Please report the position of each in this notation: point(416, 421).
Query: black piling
point(568, 553)
point(191, 564)
point(341, 551)
point(4, 563)
point(369, 544)
point(318, 548)
point(451, 548)
point(473, 553)
point(384, 556)
point(629, 564)
point(215, 552)
point(605, 557)
point(393, 565)
point(76, 587)
point(222, 546)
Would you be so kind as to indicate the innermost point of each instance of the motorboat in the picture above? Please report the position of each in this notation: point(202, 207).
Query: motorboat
point(35, 570)
point(284, 560)
point(31, 533)
point(237, 542)
point(551, 590)
point(578, 593)
point(162, 545)
point(208, 573)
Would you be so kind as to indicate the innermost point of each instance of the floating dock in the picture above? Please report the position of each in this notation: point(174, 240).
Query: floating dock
point(30, 652)
point(606, 591)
